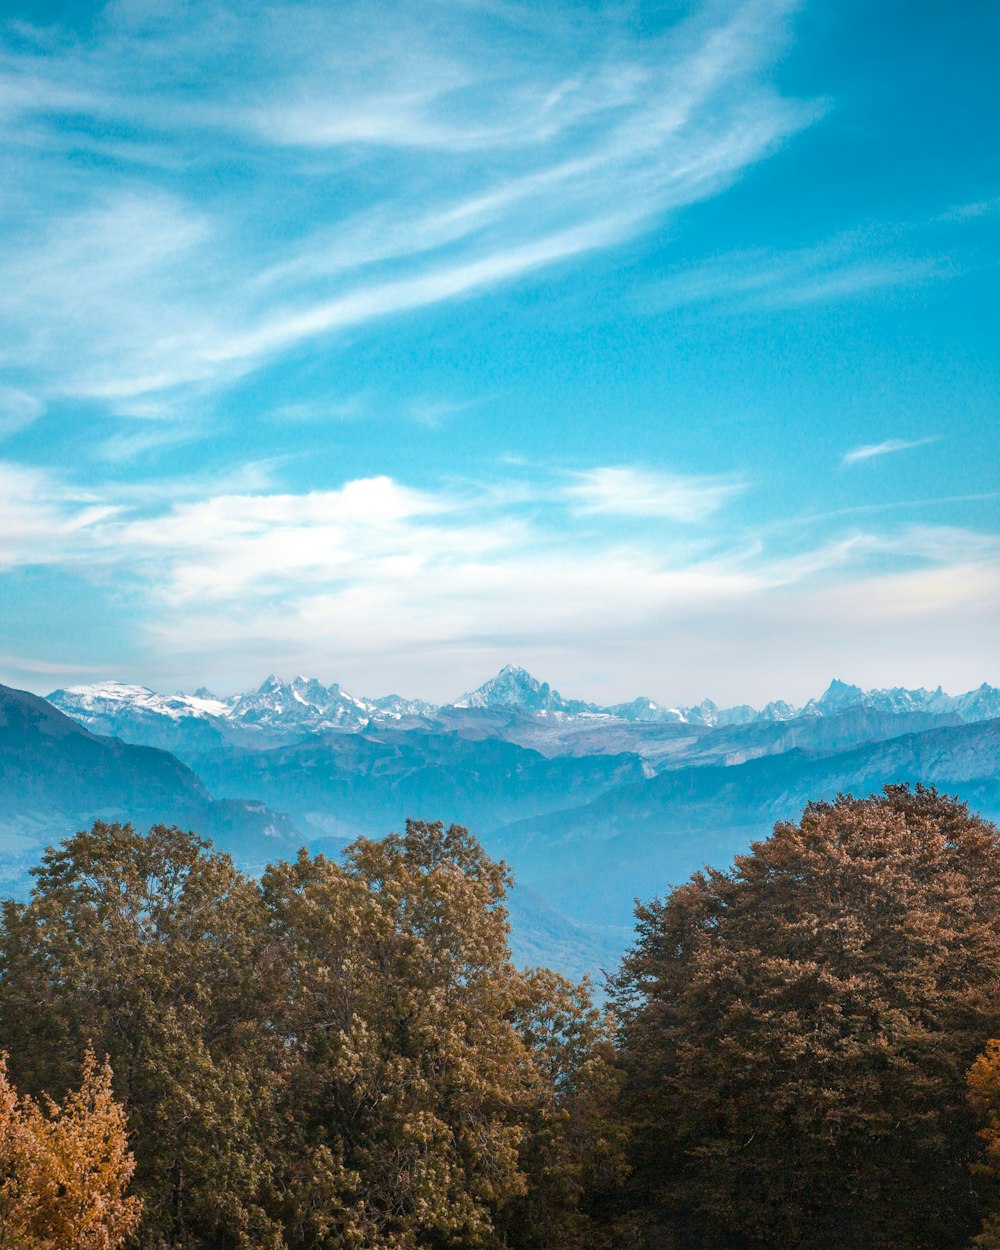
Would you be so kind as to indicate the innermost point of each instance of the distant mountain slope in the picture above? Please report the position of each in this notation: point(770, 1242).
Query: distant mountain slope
point(590, 861)
point(370, 782)
point(590, 805)
point(680, 745)
point(56, 777)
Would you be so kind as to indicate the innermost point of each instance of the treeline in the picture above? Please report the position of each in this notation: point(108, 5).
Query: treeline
point(796, 1052)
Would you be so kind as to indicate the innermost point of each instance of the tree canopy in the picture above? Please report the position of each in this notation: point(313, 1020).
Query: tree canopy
point(343, 1056)
point(796, 1030)
point(340, 1055)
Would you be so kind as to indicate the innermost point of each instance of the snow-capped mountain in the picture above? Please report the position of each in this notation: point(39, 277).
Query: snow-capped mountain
point(113, 698)
point(394, 707)
point(301, 704)
point(976, 705)
point(139, 715)
point(645, 711)
point(515, 689)
point(278, 710)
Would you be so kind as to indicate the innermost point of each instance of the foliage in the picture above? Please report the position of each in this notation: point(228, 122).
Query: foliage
point(574, 1146)
point(341, 1055)
point(984, 1095)
point(154, 948)
point(796, 1030)
point(413, 1089)
point(406, 1080)
point(64, 1173)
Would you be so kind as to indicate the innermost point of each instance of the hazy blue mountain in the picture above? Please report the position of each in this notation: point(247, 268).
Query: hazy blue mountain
point(56, 777)
point(370, 782)
point(591, 860)
point(591, 806)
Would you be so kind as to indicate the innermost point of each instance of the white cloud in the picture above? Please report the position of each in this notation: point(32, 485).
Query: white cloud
point(629, 492)
point(381, 585)
point(887, 447)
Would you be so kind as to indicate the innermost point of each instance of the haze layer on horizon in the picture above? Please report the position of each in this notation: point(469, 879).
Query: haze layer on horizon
point(652, 347)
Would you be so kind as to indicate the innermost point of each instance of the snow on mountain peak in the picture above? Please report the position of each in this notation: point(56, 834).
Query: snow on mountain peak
point(305, 706)
point(515, 688)
point(115, 698)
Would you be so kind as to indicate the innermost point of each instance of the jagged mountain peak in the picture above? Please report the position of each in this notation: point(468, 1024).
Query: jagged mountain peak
point(838, 689)
point(515, 688)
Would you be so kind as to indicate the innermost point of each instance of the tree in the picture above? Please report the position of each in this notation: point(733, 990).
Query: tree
point(572, 1152)
point(407, 1073)
point(154, 947)
point(435, 1096)
point(65, 1173)
point(339, 1057)
point(796, 1030)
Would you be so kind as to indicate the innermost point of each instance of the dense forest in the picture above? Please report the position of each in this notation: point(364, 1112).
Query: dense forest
point(798, 1051)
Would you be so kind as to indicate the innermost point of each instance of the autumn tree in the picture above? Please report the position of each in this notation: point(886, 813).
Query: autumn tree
point(342, 1055)
point(984, 1095)
point(154, 947)
point(64, 1170)
point(409, 1081)
point(796, 1031)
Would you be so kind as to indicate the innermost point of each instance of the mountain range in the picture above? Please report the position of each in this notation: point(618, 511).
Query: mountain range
point(277, 709)
point(591, 805)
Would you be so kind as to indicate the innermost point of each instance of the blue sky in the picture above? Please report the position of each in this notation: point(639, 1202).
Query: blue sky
point(652, 346)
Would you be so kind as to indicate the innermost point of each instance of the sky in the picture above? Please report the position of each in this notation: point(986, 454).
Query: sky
point(653, 347)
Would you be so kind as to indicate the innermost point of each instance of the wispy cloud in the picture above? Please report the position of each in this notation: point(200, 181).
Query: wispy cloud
point(42, 521)
point(17, 409)
point(888, 447)
point(151, 268)
point(846, 267)
point(972, 211)
point(630, 492)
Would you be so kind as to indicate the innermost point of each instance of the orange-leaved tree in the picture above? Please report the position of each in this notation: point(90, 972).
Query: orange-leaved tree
point(984, 1094)
point(796, 1031)
point(64, 1170)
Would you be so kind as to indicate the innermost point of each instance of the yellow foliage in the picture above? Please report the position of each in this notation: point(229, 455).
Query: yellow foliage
point(65, 1169)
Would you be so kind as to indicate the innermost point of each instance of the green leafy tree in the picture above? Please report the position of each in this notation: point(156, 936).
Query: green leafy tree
point(573, 1149)
point(796, 1031)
